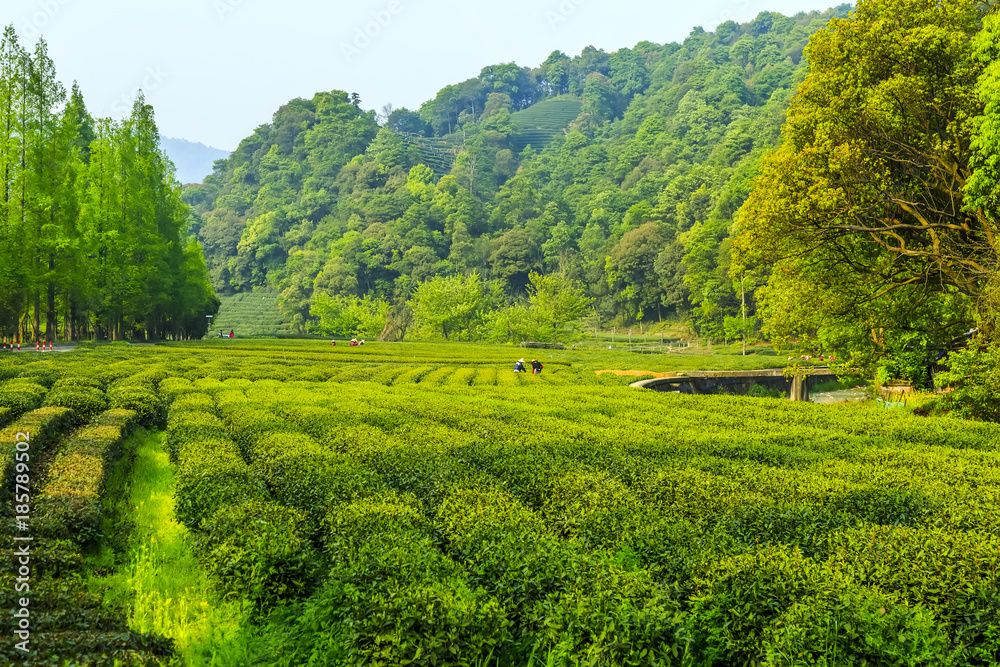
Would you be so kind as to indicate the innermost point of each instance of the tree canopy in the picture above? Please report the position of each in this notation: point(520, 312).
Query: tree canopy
point(552, 169)
point(861, 216)
point(93, 230)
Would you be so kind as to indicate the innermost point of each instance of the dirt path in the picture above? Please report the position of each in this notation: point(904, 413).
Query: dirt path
point(638, 373)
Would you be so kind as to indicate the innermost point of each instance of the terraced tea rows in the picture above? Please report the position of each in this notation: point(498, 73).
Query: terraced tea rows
point(425, 505)
point(255, 314)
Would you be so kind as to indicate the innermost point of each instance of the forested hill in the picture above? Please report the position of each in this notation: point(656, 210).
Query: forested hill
point(632, 166)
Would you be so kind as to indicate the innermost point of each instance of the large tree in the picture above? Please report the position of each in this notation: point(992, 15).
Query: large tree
point(861, 213)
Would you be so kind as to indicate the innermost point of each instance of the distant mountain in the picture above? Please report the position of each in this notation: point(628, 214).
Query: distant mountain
point(193, 161)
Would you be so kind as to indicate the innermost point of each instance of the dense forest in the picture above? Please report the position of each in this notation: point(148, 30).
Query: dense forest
point(617, 173)
point(93, 230)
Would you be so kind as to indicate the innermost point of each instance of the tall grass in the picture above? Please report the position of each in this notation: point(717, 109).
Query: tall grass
point(160, 581)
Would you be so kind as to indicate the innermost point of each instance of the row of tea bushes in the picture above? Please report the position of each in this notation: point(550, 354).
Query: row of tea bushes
point(69, 506)
point(68, 469)
point(683, 493)
point(514, 518)
point(21, 464)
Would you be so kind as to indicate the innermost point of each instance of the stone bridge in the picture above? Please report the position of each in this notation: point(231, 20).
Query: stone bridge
point(738, 382)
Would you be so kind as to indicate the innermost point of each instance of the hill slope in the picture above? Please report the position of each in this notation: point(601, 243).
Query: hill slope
point(633, 195)
point(539, 124)
point(250, 315)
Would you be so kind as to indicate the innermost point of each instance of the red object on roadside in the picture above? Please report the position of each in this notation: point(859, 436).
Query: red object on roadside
point(36, 347)
point(50, 346)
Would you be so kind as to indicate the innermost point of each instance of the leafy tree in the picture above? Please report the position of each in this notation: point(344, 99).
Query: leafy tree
point(556, 302)
point(448, 305)
point(407, 122)
point(669, 134)
point(860, 212)
point(513, 260)
point(631, 268)
point(350, 316)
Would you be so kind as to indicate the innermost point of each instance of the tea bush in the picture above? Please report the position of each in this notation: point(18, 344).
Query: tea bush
point(422, 504)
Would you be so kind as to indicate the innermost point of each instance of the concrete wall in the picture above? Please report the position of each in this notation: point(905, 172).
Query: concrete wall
point(736, 382)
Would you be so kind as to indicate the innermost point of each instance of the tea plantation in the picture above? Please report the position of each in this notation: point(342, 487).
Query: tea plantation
point(420, 504)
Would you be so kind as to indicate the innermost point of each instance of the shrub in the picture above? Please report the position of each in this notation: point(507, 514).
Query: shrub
point(855, 627)
point(311, 479)
point(215, 480)
point(974, 377)
point(348, 528)
point(40, 372)
point(246, 426)
point(172, 388)
point(85, 403)
point(186, 427)
point(77, 381)
point(257, 550)
point(8, 371)
point(126, 420)
point(142, 400)
point(21, 396)
point(69, 505)
point(748, 595)
point(150, 378)
point(609, 617)
point(425, 623)
point(193, 402)
point(44, 427)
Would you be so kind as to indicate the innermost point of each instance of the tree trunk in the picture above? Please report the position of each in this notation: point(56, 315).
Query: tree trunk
point(36, 319)
point(51, 327)
point(743, 298)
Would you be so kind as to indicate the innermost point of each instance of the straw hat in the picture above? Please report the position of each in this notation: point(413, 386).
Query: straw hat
point(521, 360)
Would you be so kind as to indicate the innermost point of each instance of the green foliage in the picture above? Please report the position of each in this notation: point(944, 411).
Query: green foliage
point(85, 403)
point(350, 316)
point(21, 396)
point(973, 377)
point(69, 506)
point(548, 170)
point(854, 625)
point(448, 305)
point(858, 217)
point(99, 219)
point(40, 429)
point(257, 550)
point(304, 476)
point(478, 516)
point(211, 474)
point(144, 401)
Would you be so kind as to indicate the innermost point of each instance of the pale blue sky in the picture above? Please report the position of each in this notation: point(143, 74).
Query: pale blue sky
point(216, 69)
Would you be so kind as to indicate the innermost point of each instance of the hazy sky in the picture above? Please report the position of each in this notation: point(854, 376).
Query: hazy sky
point(216, 69)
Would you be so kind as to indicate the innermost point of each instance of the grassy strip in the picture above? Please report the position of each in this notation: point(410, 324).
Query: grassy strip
point(160, 581)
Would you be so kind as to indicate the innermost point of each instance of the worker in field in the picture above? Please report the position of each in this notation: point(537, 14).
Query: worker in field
point(536, 367)
point(231, 334)
point(519, 366)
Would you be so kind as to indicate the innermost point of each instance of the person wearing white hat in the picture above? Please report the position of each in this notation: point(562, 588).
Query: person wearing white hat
point(519, 366)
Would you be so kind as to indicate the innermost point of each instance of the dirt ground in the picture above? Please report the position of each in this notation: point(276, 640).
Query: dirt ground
point(637, 373)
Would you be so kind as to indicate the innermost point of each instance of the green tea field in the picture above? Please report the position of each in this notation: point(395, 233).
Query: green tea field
point(421, 504)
